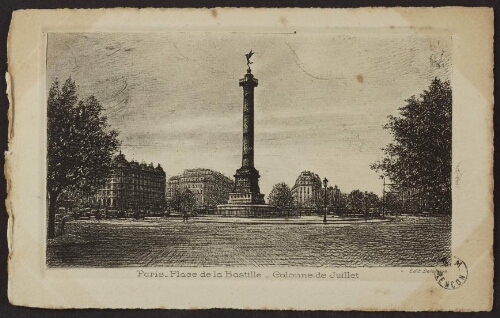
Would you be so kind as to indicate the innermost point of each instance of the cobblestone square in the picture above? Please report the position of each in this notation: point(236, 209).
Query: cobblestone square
point(407, 241)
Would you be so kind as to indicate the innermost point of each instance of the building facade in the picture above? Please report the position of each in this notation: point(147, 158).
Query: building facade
point(307, 190)
point(309, 195)
point(334, 199)
point(209, 187)
point(133, 186)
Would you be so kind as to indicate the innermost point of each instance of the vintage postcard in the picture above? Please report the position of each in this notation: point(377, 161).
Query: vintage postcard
point(304, 159)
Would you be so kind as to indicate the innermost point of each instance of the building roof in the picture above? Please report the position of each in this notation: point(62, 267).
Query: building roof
point(203, 173)
point(308, 178)
point(120, 161)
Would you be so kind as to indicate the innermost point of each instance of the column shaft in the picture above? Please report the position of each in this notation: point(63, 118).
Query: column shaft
point(248, 126)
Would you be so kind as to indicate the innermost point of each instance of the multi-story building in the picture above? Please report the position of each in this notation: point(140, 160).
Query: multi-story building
point(333, 198)
point(172, 186)
point(307, 189)
point(133, 186)
point(309, 195)
point(332, 194)
point(209, 187)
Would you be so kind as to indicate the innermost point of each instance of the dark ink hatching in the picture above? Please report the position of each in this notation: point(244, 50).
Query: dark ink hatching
point(351, 134)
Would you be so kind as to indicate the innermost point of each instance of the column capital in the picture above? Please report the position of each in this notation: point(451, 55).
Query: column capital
point(249, 81)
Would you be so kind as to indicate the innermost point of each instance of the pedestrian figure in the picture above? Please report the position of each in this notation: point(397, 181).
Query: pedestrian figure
point(184, 217)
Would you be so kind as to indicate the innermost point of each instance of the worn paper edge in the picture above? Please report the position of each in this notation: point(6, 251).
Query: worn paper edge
point(9, 169)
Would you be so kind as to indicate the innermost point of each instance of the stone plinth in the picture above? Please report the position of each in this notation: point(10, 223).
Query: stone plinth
point(246, 198)
point(246, 210)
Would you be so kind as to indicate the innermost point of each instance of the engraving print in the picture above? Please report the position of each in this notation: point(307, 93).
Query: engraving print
point(248, 149)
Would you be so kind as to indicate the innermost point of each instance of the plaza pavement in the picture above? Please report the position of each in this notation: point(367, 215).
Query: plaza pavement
point(217, 241)
point(331, 220)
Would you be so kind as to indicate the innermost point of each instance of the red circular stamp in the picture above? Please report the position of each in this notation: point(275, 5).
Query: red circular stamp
point(452, 277)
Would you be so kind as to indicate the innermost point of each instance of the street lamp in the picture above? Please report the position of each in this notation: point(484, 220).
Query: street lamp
point(383, 199)
point(366, 205)
point(325, 183)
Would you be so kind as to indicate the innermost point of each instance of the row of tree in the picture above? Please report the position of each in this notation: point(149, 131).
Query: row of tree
point(418, 161)
point(357, 202)
point(81, 146)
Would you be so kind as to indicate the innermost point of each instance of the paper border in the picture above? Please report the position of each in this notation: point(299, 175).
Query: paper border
point(30, 284)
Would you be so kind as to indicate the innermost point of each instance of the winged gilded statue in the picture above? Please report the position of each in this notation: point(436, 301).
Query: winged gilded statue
point(248, 56)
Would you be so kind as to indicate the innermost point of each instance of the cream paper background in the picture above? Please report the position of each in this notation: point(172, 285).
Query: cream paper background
point(32, 284)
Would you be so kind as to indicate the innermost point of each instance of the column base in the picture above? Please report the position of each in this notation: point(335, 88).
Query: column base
point(247, 210)
point(246, 198)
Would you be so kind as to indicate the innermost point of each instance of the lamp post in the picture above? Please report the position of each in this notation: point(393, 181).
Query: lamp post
point(383, 200)
point(325, 183)
point(366, 205)
point(336, 199)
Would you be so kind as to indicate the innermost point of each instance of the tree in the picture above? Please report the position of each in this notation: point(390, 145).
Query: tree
point(420, 156)
point(315, 204)
point(182, 200)
point(281, 197)
point(342, 203)
point(372, 200)
point(80, 145)
point(392, 202)
point(357, 201)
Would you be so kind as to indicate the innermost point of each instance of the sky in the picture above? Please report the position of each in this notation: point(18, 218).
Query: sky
point(320, 105)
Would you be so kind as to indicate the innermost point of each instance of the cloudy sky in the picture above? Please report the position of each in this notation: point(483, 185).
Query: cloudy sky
point(320, 105)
